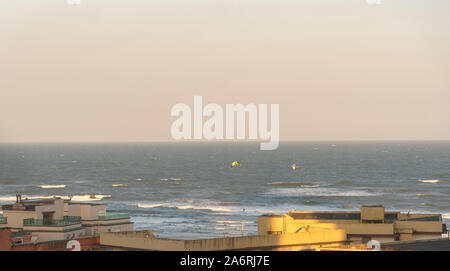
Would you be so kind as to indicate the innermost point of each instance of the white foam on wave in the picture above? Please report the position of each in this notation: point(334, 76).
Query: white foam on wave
point(7, 198)
point(183, 206)
point(142, 205)
point(310, 185)
point(211, 208)
point(77, 198)
point(285, 183)
point(50, 186)
point(172, 179)
point(429, 181)
point(118, 185)
point(96, 197)
point(228, 222)
point(319, 192)
point(301, 184)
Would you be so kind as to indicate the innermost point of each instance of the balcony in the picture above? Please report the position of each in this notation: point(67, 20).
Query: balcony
point(67, 220)
point(113, 216)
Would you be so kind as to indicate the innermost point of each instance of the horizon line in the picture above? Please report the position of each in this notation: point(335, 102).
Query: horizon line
point(222, 141)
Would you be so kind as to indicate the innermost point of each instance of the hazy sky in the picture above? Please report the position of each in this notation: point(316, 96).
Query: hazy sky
point(109, 70)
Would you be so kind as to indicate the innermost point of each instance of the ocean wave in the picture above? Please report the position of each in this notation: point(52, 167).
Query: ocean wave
point(7, 198)
point(118, 185)
point(228, 222)
point(429, 181)
point(96, 197)
point(211, 208)
point(52, 186)
point(77, 198)
point(148, 206)
point(172, 179)
point(320, 192)
point(310, 185)
point(182, 207)
point(139, 179)
point(302, 184)
point(285, 183)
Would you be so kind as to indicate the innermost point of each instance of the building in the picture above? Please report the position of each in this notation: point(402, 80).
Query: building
point(301, 230)
point(145, 240)
point(58, 219)
point(51, 224)
point(371, 222)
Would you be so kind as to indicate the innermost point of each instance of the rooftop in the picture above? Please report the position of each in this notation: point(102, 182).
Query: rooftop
point(442, 244)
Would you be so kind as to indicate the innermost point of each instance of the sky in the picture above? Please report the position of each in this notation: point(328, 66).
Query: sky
point(111, 70)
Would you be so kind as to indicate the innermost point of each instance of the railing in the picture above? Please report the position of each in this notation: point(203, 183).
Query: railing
point(68, 220)
point(113, 216)
point(72, 218)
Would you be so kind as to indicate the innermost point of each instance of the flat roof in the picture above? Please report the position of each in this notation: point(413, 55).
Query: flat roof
point(86, 203)
point(442, 244)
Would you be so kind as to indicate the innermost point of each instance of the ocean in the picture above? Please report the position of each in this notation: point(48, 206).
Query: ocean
point(189, 190)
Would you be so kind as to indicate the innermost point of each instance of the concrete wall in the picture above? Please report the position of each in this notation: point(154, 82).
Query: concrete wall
point(95, 227)
point(15, 218)
point(57, 207)
point(47, 233)
point(356, 231)
point(60, 235)
point(73, 210)
point(139, 240)
point(87, 211)
point(372, 213)
point(91, 243)
point(420, 226)
point(271, 224)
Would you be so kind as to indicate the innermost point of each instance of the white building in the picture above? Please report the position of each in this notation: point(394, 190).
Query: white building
point(58, 219)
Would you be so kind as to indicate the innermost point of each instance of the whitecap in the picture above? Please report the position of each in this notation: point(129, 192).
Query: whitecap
point(310, 185)
point(171, 179)
point(210, 208)
point(182, 207)
point(429, 181)
point(7, 198)
point(142, 205)
point(97, 197)
point(301, 184)
point(319, 192)
point(52, 186)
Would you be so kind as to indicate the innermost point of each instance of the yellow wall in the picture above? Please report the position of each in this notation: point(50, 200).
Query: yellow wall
point(261, 242)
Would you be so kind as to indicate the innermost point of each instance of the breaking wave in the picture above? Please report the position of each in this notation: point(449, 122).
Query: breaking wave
point(141, 205)
point(77, 198)
point(429, 181)
point(53, 186)
point(301, 184)
point(183, 207)
point(172, 179)
point(319, 192)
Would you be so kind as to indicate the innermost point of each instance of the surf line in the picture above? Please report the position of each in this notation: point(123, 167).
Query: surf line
point(214, 127)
